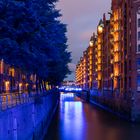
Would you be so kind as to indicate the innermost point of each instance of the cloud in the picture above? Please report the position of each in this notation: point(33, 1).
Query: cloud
point(82, 17)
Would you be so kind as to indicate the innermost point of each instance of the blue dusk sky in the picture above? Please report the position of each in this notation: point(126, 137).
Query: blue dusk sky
point(82, 17)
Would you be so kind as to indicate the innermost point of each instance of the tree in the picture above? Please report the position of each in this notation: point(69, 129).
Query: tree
point(33, 39)
point(56, 35)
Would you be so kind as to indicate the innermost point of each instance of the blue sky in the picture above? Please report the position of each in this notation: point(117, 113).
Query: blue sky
point(82, 17)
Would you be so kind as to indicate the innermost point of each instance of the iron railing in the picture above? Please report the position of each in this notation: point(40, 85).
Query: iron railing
point(14, 99)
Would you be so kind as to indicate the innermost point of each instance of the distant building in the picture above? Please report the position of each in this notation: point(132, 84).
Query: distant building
point(86, 68)
point(14, 80)
point(68, 83)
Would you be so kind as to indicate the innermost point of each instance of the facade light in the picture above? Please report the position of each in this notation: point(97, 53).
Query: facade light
point(100, 29)
point(91, 43)
point(7, 85)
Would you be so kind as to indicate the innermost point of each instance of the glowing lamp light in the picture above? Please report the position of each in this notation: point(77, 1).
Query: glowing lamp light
point(20, 84)
point(27, 84)
point(100, 29)
point(91, 43)
point(7, 82)
point(1, 66)
point(7, 85)
point(112, 75)
point(112, 61)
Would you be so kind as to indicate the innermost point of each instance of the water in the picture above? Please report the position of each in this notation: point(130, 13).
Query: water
point(78, 120)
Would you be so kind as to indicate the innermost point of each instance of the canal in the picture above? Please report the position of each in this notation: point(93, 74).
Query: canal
point(77, 120)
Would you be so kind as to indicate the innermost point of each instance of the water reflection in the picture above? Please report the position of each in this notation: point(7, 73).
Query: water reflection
point(77, 120)
point(72, 111)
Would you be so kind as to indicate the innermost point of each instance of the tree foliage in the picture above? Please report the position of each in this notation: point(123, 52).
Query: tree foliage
point(33, 39)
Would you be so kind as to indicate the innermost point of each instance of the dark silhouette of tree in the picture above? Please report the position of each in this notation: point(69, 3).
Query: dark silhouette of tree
point(33, 39)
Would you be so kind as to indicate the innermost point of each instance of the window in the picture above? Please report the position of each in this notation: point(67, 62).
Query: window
point(138, 49)
point(138, 35)
point(129, 82)
point(125, 82)
point(125, 67)
point(130, 65)
point(138, 83)
point(138, 63)
point(139, 22)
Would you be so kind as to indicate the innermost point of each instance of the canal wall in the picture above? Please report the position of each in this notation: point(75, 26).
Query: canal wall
point(28, 121)
point(114, 104)
point(124, 107)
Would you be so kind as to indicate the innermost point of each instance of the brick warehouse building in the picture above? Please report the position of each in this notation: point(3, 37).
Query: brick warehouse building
point(117, 59)
point(13, 80)
point(86, 74)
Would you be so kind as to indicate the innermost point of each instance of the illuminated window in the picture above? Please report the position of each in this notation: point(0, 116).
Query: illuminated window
point(90, 51)
point(99, 47)
point(90, 62)
point(116, 37)
point(99, 77)
point(99, 53)
point(116, 27)
point(117, 58)
point(7, 86)
point(12, 72)
point(116, 47)
point(99, 67)
point(90, 57)
point(99, 60)
point(1, 67)
point(116, 70)
point(115, 83)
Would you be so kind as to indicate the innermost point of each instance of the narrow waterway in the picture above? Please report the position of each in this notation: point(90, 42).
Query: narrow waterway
point(78, 120)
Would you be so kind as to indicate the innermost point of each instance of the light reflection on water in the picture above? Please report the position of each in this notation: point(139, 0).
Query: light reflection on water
point(77, 120)
point(73, 111)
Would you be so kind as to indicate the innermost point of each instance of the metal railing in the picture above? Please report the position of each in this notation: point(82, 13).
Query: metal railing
point(10, 100)
point(14, 99)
